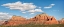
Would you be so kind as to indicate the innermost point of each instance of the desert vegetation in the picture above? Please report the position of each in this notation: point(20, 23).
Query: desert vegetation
point(38, 25)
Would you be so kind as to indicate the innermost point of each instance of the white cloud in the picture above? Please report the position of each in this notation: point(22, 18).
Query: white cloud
point(48, 7)
point(23, 12)
point(40, 7)
point(55, 10)
point(36, 10)
point(51, 5)
point(32, 13)
point(4, 15)
point(22, 6)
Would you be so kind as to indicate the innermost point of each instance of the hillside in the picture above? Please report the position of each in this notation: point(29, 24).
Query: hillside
point(38, 19)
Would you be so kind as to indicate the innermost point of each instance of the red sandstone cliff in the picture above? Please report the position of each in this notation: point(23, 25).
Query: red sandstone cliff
point(44, 19)
point(15, 20)
point(38, 19)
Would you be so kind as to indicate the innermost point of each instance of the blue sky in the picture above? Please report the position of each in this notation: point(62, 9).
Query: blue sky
point(51, 7)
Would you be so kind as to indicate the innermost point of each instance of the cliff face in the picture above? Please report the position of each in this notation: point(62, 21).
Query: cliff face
point(44, 19)
point(15, 20)
point(38, 19)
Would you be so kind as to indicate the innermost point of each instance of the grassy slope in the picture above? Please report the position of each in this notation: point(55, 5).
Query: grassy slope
point(31, 25)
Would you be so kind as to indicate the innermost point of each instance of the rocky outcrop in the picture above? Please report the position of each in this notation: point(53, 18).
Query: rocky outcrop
point(38, 19)
point(61, 21)
point(1, 22)
point(44, 19)
point(15, 20)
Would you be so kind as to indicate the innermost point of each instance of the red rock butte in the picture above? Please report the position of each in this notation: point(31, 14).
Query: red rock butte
point(38, 19)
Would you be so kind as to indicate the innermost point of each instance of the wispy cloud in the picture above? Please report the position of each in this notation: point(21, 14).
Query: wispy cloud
point(54, 10)
point(50, 6)
point(23, 7)
point(23, 12)
point(4, 15)
point(32, 13)
point(36, 10)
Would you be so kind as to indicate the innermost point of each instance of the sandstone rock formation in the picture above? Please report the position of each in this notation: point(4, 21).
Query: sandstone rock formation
point(1, 22)
point(61, 21)
point(15, 20)
point(44, 19)
point(38, 19)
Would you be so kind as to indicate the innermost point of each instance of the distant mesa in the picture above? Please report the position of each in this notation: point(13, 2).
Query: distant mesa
point(1, 22)
point(61, 21)
point(38, 19)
